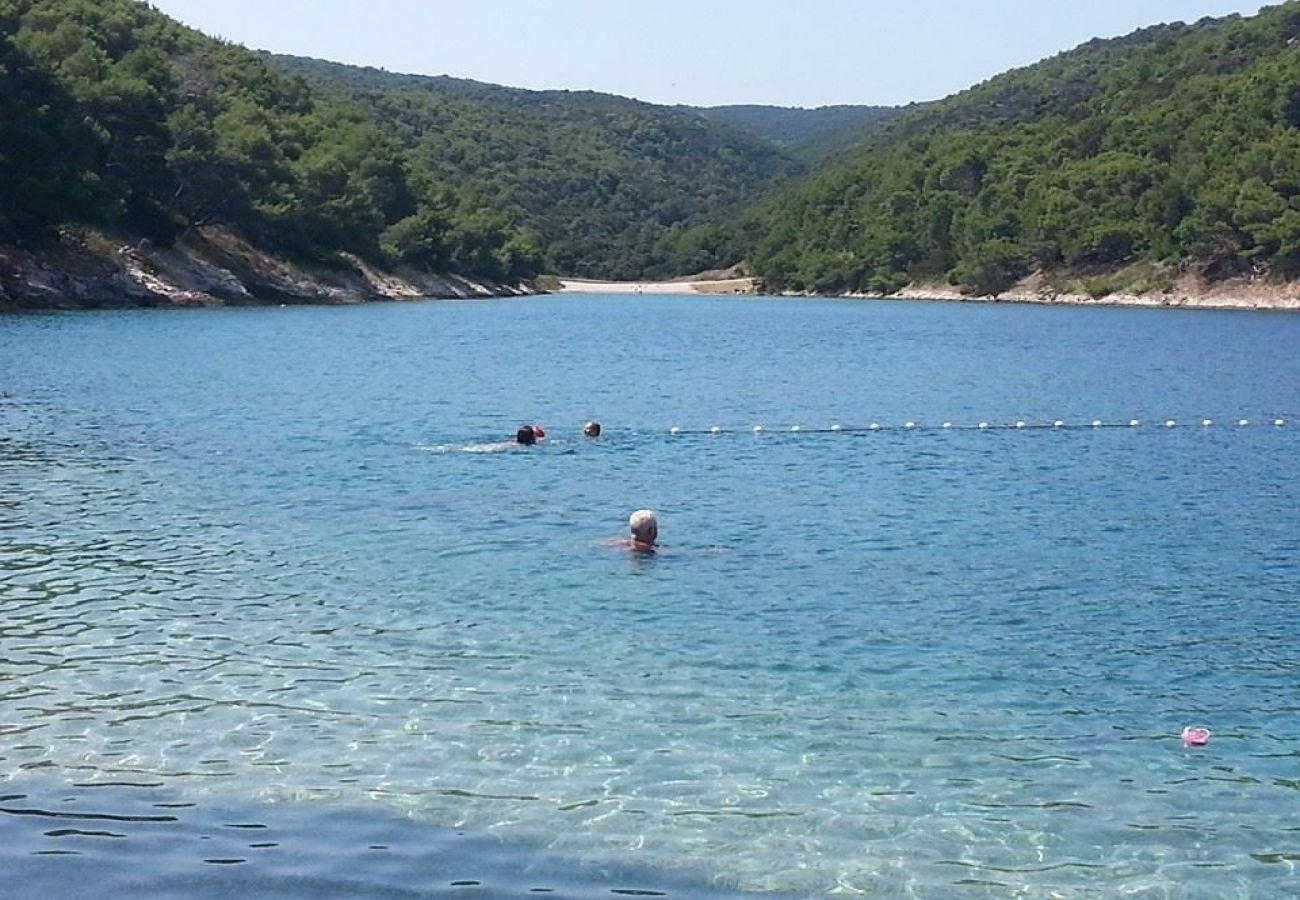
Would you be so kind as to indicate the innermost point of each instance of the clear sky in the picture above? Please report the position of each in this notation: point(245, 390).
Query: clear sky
point(698, 52)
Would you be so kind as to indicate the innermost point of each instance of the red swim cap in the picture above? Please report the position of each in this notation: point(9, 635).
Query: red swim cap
point(539, 431)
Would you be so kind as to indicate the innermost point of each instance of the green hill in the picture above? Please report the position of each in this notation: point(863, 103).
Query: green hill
point(1174, 149)
point(611, 187)
point(1119, 164)
point(115, 117)
point(809, 133)
point(120, 118)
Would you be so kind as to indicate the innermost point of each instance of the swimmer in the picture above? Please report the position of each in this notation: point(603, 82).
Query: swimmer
point(591, 429)
point(643, 530)
point(643, 533)
point(526, 435)
point(643, 538)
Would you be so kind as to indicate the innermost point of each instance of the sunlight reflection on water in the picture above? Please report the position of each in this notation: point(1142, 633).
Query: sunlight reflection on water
point(907, 662)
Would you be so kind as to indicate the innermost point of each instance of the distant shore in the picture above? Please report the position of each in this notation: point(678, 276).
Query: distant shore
point(687, 286)
point(1188, 294)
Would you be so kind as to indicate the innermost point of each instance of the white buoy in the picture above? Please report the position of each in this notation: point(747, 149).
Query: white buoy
point(674, 430)
point(1058, 424)
point(758, 429)
point(1244, 422)
point(1096, 423)
point(984, 426)
point(1279, 422)
point(1206, 423)
point(1020, 424)
point(874, 426)
point(1134, 423)
point(1170, 423)
point(909, 424)
point(836, 427)
point(947, 424)
point(715, 430)
point(795, 428)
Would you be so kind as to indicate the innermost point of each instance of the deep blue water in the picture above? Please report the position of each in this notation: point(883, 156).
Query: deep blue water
point(258, 565)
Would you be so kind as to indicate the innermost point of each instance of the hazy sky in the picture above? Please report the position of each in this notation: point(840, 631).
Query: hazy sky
point(699, 52)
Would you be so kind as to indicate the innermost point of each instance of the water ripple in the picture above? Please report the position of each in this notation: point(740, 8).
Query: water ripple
point(861, 663)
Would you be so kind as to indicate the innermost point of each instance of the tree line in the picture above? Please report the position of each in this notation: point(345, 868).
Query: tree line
point(115, 116)
point(612, 187)
point(1177, 147)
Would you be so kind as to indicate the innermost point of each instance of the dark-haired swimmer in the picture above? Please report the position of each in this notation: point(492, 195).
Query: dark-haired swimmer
point(591, 429)
point(529, 434)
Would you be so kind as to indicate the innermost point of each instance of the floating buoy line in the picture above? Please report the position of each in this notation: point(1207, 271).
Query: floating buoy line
point(1271, 423)
point(1018, 425)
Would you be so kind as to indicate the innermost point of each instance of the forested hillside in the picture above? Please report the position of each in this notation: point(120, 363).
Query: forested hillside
point(1121, 164)
point(118, 117)
point(809, 133)
point(610, 186)
point(1176, 148)
point(114, 116)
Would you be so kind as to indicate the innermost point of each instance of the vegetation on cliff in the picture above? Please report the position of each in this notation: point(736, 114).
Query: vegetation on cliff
point(1174, 149)
point(1177, 145)
point(115, 116)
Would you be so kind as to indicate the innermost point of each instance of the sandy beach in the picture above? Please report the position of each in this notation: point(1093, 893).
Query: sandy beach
point(719, 286)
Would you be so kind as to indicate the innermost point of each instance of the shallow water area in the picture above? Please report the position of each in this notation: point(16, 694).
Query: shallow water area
point(143, 841)
point(287, 560)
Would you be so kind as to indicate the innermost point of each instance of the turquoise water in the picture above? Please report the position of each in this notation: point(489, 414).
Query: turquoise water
point(259, 563)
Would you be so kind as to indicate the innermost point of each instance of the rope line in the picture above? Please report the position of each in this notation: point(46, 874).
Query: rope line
point(1019, 425)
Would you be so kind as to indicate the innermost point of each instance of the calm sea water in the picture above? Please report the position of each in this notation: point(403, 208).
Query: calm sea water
point(274, 620)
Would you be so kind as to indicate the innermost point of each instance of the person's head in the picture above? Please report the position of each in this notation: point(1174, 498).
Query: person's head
point(591, 429)
point(644, 527)
point(526, 435)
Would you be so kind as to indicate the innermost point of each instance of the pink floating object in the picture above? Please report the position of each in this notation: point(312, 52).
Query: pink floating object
point(1195, 737)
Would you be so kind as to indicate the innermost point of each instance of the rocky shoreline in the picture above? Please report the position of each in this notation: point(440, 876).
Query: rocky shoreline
point(1187, 294)
point(212, 266)
point(209, 267)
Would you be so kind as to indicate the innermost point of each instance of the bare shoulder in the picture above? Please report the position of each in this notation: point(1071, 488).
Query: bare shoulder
point(630, 544)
